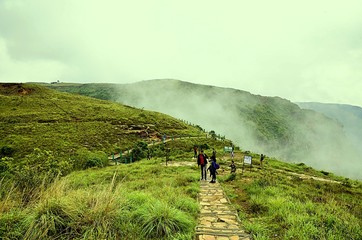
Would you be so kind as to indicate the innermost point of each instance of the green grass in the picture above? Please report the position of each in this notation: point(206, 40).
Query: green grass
point(274, 204)
point(46, 133)
point(49, 137)
point(133, 201)
point(56, 121)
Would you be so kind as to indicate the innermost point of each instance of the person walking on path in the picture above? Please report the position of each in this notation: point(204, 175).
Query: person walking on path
point(195, 151)
point(212, 168)
point(262, 156)
point(202, 162)
point(213, 156)
point(232, 151)
point(233, 167)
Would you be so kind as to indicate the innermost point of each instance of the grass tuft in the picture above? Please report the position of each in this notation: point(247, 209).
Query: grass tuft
point(161, 220)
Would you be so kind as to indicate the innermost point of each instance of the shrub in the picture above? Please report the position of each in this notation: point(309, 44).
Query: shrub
point(230, 177)
point(87, 159)
point(325, 173)
point(6, 151)
point(51, 218)
point(161, 220)
point(139, 151)
point(39, 168)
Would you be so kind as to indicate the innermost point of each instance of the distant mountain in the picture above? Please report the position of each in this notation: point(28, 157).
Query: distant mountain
point(349, 116)
point(270, 125)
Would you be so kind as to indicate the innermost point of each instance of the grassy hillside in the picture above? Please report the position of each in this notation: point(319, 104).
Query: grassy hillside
point(45, 133)
point(294, 201)
point(148, 200)
point(32, 116)
point(55, 182)
point(270, 125)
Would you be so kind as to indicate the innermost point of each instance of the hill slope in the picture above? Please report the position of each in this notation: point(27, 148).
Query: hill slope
point(349, 116)
point(271, 125)
point(139, 200)
point(44, 130)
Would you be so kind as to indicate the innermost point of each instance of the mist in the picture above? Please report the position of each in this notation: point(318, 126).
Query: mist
point(312, 138)
point(301, 51)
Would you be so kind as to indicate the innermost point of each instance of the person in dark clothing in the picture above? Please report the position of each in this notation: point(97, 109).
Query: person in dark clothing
point(195, 151)
point(233, 167)
point(149, 154)
point(262, 156)
point(213, 156)
point(202, 162)
point(212, 168)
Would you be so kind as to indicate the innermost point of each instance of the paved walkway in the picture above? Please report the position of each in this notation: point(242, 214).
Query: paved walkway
point(217, 219)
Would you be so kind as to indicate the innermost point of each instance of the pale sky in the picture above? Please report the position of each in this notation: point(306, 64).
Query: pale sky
point(301, 50)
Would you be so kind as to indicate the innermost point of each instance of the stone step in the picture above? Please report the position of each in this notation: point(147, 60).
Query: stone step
point(211, 213)
point(217, 218)
point(219, 231)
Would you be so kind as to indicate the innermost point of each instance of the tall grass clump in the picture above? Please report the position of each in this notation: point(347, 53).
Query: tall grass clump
point(50, 218)
point(162, 220)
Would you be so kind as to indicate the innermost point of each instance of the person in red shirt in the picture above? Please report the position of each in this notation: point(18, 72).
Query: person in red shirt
point(202, 162)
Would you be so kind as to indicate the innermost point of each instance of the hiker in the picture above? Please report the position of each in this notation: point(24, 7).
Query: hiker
point(233, 167)
point(212, 168)
point(202, 162)
point(149, 154)
point(195, 151)
point(213, 156)
point(262, 156)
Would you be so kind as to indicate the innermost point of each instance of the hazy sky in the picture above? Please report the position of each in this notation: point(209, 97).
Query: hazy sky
point(302, 50)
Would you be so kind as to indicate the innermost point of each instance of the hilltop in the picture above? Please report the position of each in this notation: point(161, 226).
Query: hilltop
point(272, 125)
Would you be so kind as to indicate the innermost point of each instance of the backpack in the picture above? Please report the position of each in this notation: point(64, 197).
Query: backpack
point(217, 166)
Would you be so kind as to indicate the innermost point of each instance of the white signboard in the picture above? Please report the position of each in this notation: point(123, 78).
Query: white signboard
point(228, 149)
point(247, 160)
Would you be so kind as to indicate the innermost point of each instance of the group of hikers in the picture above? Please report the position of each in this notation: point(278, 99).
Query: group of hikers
point(202, 160)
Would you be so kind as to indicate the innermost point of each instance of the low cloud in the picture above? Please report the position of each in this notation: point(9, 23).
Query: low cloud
point(307, 51)
point(311, 138)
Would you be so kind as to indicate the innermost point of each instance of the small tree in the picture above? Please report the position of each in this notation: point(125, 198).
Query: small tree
point(6, 151)
point(213, 134)
point(139, 151)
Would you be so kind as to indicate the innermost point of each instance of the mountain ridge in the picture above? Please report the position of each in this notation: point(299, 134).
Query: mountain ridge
point(272, 125)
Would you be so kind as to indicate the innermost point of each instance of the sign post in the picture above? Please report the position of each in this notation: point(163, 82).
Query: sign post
point(167, 154)
point(247, 160)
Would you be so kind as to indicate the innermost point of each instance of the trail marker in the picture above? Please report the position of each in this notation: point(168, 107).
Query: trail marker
point(247, 160)
point(228, 149)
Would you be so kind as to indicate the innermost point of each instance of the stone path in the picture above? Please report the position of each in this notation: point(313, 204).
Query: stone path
point(217, 219)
